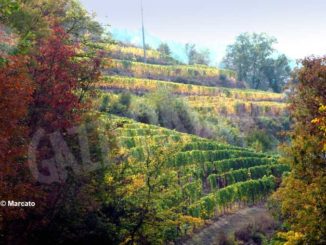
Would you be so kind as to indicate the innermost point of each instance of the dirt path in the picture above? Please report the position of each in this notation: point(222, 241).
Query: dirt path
point(228, 224)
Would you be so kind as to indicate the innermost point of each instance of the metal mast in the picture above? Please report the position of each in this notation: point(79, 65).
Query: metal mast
point(143, 30)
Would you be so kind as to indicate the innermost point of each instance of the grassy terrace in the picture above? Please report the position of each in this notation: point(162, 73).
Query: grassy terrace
point(132, 51)
point(124, 52)
point(140, 68)
point(196, 74)
point(231, 106)
point(147, 85)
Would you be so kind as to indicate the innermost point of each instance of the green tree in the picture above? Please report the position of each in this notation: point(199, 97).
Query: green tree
point(32, 20)
point(196, 57)
point(164, 49)
point(190, 53)
point(276, 72)
point(252, 57)
point(79, 23)
point(202, 57)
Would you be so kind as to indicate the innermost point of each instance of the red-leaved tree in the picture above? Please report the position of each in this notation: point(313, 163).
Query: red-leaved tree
point(55, 105)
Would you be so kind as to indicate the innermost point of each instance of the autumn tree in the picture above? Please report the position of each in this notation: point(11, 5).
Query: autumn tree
point(302, 194)
point(16, 89)
point(45, 89)
point(54, 104)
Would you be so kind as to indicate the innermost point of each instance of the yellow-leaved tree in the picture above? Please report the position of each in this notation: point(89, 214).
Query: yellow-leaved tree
point(302, 194)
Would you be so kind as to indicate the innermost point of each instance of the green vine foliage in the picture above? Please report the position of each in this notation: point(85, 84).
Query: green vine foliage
point(251, 191)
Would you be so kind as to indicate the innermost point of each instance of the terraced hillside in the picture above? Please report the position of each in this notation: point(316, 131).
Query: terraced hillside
point(195, 179)
point(106, 142)
point(221, 100)
point(141, 85)
point(205, 178)
point(196, 74)
point(169, 182)
point(214, 94)
point(127, 61)
point(181, 181)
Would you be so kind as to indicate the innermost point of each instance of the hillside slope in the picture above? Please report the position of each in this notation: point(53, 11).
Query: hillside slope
point(206, 178)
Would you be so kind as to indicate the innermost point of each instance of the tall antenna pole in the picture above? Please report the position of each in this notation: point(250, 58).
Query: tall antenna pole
point(143, 30)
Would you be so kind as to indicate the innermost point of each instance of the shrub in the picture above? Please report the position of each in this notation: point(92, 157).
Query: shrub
point(105, 103)
point(125, 99)
point(260, 141)
point(126, 64)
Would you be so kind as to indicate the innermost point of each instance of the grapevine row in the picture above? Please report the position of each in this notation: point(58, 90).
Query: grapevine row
point(251, 191)
point(244, 174)
point(182, 158)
